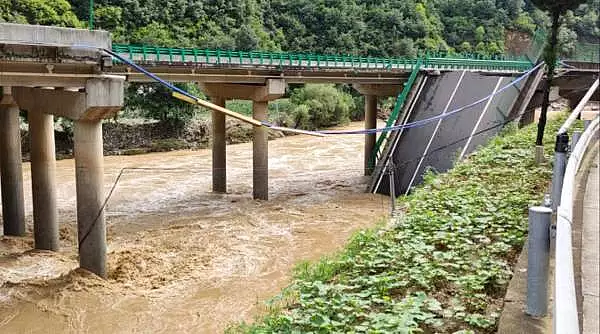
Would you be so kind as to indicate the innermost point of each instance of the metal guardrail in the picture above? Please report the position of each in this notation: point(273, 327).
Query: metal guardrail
point(566, 320)
point(585, 52)
point(154, 54)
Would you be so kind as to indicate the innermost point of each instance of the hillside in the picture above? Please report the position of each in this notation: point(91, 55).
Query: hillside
point(366, 27)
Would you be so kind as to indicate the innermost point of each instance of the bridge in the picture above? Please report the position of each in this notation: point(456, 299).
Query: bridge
point(52, 71)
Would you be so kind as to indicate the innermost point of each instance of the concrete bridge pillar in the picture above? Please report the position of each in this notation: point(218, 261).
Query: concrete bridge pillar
point(260, 152)
point(89, 175)
point(11, 170)
point(101, 98)
point(260, 95)
point(371, 93)
point(219, 148)
point(43, 180)
point(370, 123)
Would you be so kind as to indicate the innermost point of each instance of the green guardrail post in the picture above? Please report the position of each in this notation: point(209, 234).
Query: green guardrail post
point(170, 51)
point(91, 15)
point(144, 53)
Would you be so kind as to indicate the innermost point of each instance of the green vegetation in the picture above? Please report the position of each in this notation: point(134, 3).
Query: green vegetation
point(442, 267)
point(371, 28)
point(154, 102)
point(45, 12)
point(318, 106)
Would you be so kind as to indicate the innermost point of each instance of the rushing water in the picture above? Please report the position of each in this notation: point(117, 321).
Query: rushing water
point(182, 259)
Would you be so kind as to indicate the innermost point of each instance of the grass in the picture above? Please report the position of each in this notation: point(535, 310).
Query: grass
point(444, 265)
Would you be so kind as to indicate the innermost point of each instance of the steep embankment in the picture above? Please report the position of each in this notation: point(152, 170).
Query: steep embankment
point(443, 266)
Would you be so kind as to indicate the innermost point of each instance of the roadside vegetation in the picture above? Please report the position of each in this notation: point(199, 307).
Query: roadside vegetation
point(442, 267)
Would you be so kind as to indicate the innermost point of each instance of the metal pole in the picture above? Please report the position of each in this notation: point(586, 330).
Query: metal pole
point(575, 139)
point(538, 258)
point(91, 18)
point(392, 187)
point(560, 164)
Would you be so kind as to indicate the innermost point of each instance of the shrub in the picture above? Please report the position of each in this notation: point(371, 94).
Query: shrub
point(320, 105)
point(154, 101)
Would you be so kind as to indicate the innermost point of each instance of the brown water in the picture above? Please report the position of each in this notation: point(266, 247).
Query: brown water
point(180, 258)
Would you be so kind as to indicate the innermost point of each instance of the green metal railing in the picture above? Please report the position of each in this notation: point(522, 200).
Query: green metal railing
point(150, 54)
point(585, 52)
point(400, 100)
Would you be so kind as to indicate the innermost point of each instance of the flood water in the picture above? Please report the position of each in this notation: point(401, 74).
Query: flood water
point(181, 259)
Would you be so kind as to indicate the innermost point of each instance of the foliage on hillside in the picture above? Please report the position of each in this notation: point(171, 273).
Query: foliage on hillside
point(44, 12)
point(374, 28)
point(443, 266)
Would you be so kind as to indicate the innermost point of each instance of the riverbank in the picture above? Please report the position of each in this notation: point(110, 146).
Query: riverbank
point(443, 266)
point(140, 136)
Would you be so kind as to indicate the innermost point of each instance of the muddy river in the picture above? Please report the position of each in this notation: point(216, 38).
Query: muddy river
point(182, 259)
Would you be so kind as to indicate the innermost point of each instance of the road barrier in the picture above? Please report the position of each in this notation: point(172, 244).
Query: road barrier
point(566, 166)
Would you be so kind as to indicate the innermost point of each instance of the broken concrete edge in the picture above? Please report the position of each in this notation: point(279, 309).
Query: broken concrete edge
point(37, 35)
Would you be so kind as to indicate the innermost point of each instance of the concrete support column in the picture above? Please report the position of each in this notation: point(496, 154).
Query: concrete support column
point(11, 170)
point(91, 228)
point(43, 180)
point(260, 153)
point(219, 148)
point(370, 123)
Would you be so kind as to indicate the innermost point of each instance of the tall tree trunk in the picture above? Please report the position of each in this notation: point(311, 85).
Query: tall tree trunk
point(550, 56)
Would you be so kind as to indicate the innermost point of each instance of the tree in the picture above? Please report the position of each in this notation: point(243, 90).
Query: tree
point(480, 34)
point(320, 105)
point(154, 101)
point(43, 12)
point(556, 9)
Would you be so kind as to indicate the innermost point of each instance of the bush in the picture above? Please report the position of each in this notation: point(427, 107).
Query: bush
point(321, 105)
point(243, 107)
point(154, 101)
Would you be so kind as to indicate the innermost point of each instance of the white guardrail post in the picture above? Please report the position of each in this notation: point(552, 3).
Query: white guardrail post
point(560, 163)
point(538, 255)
